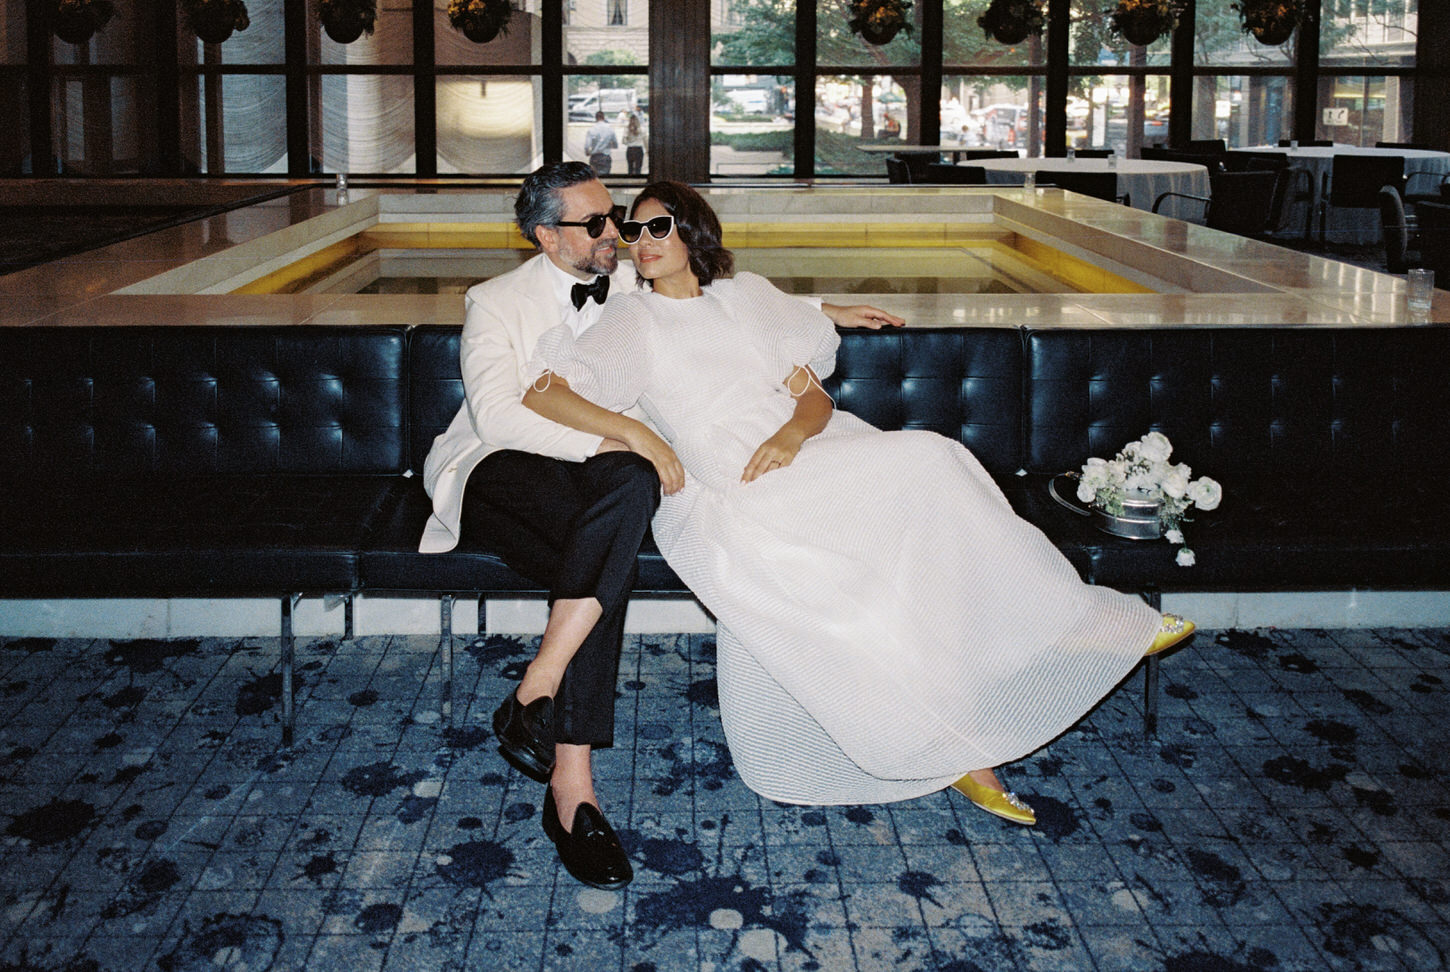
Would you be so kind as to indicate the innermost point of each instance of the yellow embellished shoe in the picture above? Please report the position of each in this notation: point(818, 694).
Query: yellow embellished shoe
point(997, 802)
point(1173, 630)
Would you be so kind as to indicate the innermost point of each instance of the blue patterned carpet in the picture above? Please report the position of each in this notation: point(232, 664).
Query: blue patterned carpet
point(1292, 814)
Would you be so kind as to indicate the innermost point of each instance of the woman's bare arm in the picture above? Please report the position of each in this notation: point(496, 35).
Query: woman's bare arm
point(813, 409)
point(552, 398)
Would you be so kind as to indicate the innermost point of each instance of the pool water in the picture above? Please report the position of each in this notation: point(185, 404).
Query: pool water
point(986, 260)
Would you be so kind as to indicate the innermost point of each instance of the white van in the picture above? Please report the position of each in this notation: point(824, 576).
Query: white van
point(611, 101)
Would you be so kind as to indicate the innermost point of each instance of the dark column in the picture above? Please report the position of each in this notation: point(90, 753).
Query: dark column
point(679, 90)
point(551, 86)
point(1432, 76)
point(425, 89)
point(1306, 73)
point(1054, 141)
point(1180, 81)
point(162, 45)
point(38, 85)
point(926, 127)
point(294, 43)
point(805, 90)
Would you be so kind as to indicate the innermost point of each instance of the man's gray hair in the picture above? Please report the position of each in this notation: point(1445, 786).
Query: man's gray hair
point(538, 203)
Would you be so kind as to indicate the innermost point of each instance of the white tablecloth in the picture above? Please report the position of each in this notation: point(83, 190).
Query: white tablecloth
point(1353, 225)
point(1141, 180)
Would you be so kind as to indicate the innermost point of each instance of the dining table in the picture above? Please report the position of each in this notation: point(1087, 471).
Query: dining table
point(1141, 180)
point(1361, 226)
point(955, 149)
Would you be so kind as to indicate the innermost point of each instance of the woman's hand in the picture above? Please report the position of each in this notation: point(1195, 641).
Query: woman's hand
point(643, 440)
point(776, 452)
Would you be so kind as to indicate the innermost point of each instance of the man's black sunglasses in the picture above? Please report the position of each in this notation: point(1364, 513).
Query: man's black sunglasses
point(594, 225)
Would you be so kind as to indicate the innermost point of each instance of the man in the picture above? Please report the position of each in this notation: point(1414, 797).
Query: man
point(567, 509)
point(599, 141)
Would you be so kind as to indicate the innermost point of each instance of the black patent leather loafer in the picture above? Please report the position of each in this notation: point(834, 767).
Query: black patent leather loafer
point(590, 851)
point(526, 735)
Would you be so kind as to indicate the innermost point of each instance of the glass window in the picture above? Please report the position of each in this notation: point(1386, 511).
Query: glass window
point(594, 36)
point(260, 43)
point(13, 48)
point(752, 125)
point(1117, 112)
point(1093, 41)
point(517, 43)
point(115, 43)
point(365, 123)
point(1219, 39)
point(1243, 111)
point(234, 123)
point(617, 96)
point(751, 33)
point(100, 123)
point(15, 137)
point(837, 44)
point(1367, 36)
point(391, 41)
point(852, 111)
point(1362, 110)
point(965, 44)
point(488, 124)
point(991, 111)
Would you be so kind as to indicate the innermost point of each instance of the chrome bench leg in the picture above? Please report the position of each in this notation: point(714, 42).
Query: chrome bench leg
point(445, 651)
point(1150, 674)
point(289, 656)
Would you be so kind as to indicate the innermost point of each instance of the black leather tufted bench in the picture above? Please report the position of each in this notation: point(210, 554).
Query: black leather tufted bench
point(261, 461)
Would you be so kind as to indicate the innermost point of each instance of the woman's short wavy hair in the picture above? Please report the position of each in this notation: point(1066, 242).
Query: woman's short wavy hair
point(698, 226)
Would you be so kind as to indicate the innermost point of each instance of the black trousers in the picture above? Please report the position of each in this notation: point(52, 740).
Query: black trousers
point(575, 528)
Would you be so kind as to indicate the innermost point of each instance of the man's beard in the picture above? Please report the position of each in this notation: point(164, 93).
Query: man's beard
point(599, 261)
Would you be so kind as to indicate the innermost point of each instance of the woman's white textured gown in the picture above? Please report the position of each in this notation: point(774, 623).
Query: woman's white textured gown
point(887, 622)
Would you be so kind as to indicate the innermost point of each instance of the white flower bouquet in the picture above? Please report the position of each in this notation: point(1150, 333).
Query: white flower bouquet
point(1142, 471)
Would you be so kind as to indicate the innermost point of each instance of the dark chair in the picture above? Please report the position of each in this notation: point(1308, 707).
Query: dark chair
point(916, 163)
point(1102, 185)
point(1295, 184)
point(897, 171)
point(1207, 146)
point(1433, 219)
point(1438, 189)
point(1092, 153)
point(1403, 145)
point(1354, 181)
point(945, 173)
point(1401, 237)
point(1239, 202)
point(991, 154)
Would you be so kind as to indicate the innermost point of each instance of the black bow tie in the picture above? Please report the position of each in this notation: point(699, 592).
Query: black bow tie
point(581, 292)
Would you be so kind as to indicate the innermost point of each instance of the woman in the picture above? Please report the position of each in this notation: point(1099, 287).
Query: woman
point(888, 624)
point(634, 144)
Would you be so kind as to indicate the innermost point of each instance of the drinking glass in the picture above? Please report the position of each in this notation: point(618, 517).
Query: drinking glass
point(1421, 283)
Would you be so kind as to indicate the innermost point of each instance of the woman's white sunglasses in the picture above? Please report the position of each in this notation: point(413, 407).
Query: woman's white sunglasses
point(660, 227)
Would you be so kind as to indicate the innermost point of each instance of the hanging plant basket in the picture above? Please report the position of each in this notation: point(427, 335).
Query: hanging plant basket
point(879, 21)
point(1141, 22)
point(347, 20)
point(480, 20)
point(1270, 22)
point(213, 21)
point(1012, 21)
point(76, 21)
point(1273, 34)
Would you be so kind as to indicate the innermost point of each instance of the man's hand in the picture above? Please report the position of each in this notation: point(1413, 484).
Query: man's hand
point(643, 440)
point(776, 452)
point(860, 315)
